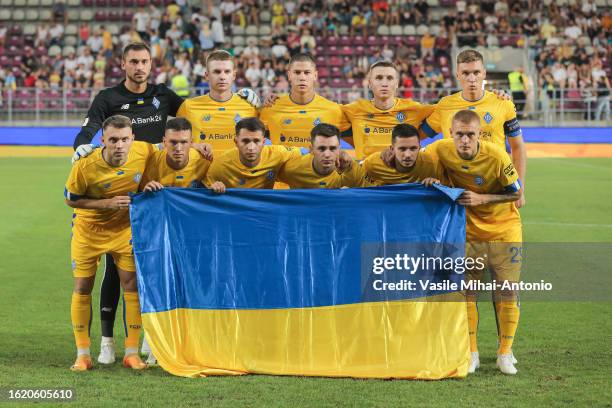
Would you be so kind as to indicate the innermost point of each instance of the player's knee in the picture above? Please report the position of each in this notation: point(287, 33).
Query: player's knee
point(128, 281)
point(83, 286)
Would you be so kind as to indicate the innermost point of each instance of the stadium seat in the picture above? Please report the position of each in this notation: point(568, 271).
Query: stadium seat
point(331, 50)
point(6, 3)
point(336, 72)
point(18, 15)
point(73, 15)
point(40, 51)
point(383, 30)
point(251, 39)
point(4, 61)
point(238, 50)
point(251, 30)
point(115, 3)
point(19, 3)
point(33, 3)
point(15, 30)
point(433, 3)
point(128, 3)
point(346, 50)
point(265, 16)
point(323, 72)
point(238, 41)
point(100, 15)
point(71, 29)
point(412, 40)
point(113, 28)
point(434, 30)
point(422, 29)
point(265, 30)
point(142, 3)
point(333, 40)
point(409, 30)
point(5, 15)
point(87, 3)
point(15, 41)
point(359, 50)
point(345, 40)
point(73, 3)
point(114, 16)
point(54, 50)
point(29, 29)
point(395, 30)
point(359, 40)
point(46, 3)
point(344, 30)
point(45, 14)
point(87, 15)
point(101, 3)
point(32, 15)
point(127, 15)
point(68, 50)
point(321, 61)
point(238, 30)
point(372, 40)
point(448, 3)
point(70, 40)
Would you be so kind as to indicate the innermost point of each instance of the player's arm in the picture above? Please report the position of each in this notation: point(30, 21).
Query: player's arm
point(97, 113)
point(345, 126)
point(514, 134)
point(114, 203)
point(432, 125)
point(357, 176)
point(174, 102)
point(507, 176)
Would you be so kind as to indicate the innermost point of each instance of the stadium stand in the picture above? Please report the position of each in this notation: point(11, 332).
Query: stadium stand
point(51, 45)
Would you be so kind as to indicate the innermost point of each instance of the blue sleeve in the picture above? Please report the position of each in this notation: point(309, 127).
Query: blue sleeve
point(512, 128)
point(429, 132)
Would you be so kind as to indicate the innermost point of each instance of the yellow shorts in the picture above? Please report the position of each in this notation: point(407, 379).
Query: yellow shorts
point(503, 258)
point(89, 242)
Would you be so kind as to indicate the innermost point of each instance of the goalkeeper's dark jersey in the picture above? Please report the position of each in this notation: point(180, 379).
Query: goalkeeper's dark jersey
point(148, 111)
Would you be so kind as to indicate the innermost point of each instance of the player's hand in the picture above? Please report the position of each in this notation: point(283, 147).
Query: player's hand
point(119, 203)
point(218, 187)
point(344, 162)
point(521, 201)
point(250, 96)
point(429, 181)
point(153, 186)
point(471, 199)
point(270, 99)
point(501, 94)
point(204, 149)
point(83, 151)
point(388, 157)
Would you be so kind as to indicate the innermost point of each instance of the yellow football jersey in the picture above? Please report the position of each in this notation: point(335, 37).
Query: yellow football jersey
point(191, 175)
point(229, 169)
point(215, 122)
point(380, 174)
point(497, 117)
point(290, 123)
point(299, 173)
point(93, 177)
point(490, 172)
point(372, 127)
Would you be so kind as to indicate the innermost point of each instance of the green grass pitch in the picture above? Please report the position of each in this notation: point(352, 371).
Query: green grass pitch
point(564, 349)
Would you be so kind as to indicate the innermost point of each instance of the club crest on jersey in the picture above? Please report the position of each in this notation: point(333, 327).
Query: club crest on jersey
point(202, 136)
point(282, 138)
point(316, 121)
point(366, 130)
point(478, 180)
point(400, 117)
point(155, 102)
point(206, 118)
point(125, 107)
point(287, 121)
point(488, 118)
point(137, 177)
point(270, 175)
point(106, 186)
point(237, 118)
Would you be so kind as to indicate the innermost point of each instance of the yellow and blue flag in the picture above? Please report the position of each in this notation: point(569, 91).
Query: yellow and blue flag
point(281, 282)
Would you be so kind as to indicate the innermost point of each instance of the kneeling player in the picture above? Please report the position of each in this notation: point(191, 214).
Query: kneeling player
point(98, 188)
point(319, 169)
point(493, 224)
point(408, 165)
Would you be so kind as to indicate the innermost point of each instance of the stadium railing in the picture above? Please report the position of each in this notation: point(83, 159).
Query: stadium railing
point(28, 106)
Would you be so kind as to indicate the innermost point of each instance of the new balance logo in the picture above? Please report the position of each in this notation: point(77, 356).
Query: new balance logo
point(125, 107)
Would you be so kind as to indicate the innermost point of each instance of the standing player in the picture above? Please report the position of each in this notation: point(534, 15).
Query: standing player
point(497, 117)
point(410, 164)
point(250, 164)
point(493, 223)
point(373, 120)
point(318, 169)
point(214, 116)
point(98, 188)
point(291, 117)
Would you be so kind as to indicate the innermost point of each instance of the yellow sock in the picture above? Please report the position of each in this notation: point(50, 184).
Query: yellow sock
point(80, 313)
point(472, 312)
point(133, 321)
point(508, 315)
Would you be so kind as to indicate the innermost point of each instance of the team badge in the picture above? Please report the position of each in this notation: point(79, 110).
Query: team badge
point(206, 118)
point(479, 180)
point(202, 136)
point(316, 121)
point(106, 186)
point(366, 130)
point(155, 102)
point(400, 117)
point(287, 121)
point(85, 122)
point(237, 118)
point(488, 118)
point(270, 175)
point(125, 107)
point(137, 177)
point(283, 138)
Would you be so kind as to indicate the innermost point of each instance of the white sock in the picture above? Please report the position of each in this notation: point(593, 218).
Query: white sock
point(83, 351)
point(131, 350)
point(108, 340)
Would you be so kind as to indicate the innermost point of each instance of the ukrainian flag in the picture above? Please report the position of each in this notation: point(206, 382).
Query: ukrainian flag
point(281, 282)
